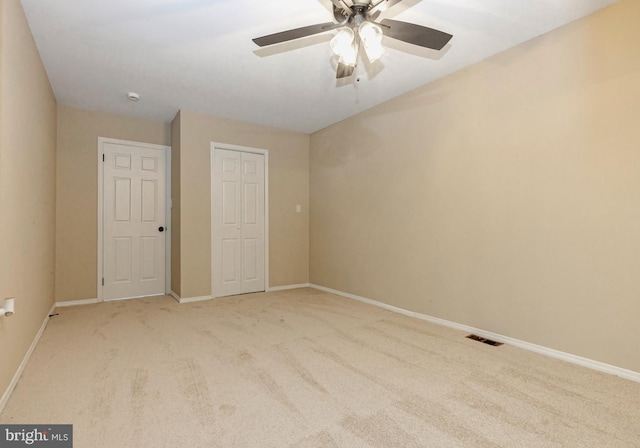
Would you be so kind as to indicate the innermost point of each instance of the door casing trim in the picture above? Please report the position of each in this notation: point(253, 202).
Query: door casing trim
point(167, 150)
point(265, 153)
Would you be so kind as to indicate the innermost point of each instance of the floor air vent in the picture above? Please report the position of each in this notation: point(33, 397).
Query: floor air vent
point(484, 340)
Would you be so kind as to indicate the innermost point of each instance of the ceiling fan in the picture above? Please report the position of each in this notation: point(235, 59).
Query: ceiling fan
point(358, 28)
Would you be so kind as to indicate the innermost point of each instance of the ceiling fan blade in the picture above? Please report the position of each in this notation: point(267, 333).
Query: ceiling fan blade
point(296, 33)
point(344, 70)
point(415, 34)
point(383, 5)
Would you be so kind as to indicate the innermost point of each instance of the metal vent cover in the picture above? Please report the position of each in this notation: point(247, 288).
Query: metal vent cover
point(485, 340)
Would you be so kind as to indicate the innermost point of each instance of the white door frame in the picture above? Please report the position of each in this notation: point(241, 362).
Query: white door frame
point(215, 231)
point(167, 149)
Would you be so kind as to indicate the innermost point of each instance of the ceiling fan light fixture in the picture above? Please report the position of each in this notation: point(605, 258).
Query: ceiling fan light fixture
point(371, 37)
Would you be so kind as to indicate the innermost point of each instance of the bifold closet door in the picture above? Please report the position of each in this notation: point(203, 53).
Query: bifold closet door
point(239, 222)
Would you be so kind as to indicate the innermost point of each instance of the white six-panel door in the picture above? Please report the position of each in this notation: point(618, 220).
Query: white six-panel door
point(134, 229)
point(239, 222)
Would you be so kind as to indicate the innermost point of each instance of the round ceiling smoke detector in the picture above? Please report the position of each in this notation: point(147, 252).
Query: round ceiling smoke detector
point(133, 96)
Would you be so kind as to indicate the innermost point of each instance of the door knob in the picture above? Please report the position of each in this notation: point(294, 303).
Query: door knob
point(161, 229)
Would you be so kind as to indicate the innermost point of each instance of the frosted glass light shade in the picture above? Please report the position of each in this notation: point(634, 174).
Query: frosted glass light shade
point(371, 36)
point(342, 45)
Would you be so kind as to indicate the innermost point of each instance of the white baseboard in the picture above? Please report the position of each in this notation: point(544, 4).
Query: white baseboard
point(76, 302)
point(203, 298)
point(189, 299)
point(23, 364)
point(287, 287)
point(574, 359)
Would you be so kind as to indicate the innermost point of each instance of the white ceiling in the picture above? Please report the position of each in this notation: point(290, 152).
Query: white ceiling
point(198, 54)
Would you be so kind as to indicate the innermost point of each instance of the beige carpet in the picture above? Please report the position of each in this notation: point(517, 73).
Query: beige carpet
point(305, 368)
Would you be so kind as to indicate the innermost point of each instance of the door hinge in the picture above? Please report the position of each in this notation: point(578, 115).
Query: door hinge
point(103, 157)
point(102, 281)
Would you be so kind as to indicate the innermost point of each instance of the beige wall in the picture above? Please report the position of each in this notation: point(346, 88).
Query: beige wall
point(288, 186)
point(505, 197)
point(27, 188)
point(77, 191)
point(189, 135)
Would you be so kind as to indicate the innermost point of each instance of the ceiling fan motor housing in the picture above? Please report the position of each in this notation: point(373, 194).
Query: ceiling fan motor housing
point(360, 13)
